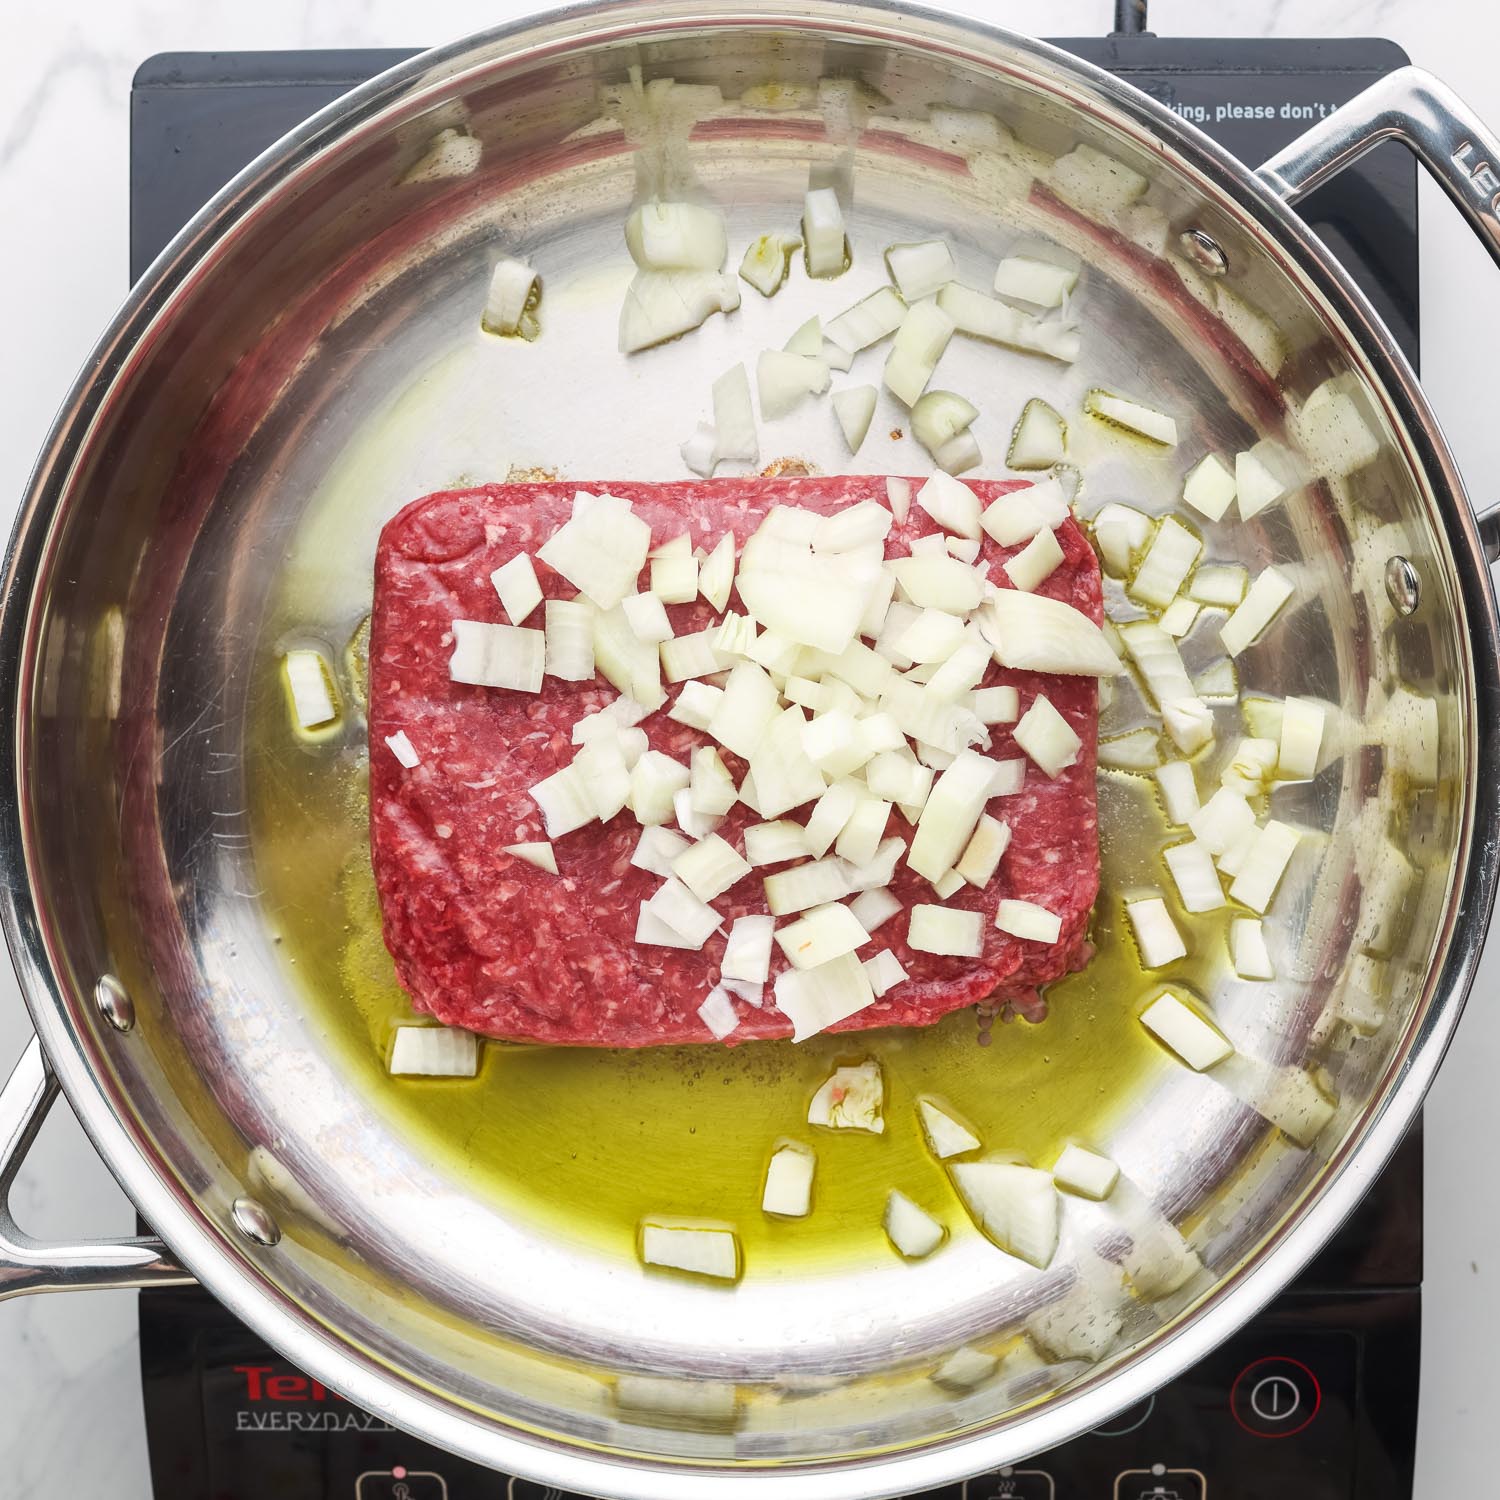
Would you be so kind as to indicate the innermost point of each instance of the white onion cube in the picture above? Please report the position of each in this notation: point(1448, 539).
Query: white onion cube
point(789, 1180)
point(1085, 1172)
point(946, 930)
point(1156, 934)
point(1181, 1028)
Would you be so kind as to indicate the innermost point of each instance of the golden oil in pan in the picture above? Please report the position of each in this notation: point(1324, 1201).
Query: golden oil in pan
point(592, 1141)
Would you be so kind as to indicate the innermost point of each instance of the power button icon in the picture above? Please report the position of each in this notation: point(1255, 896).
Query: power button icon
point(1275, 1397)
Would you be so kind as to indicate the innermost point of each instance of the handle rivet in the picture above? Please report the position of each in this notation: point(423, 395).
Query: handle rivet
point(1403, 584)
point(254, 1221)
point(1204, 251)
point(114, 1003)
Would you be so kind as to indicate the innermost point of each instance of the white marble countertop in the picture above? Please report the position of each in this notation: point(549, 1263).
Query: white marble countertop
point(70, 1413)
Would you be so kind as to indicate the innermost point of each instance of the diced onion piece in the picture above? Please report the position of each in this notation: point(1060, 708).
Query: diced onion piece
point(1210, 487)
point(879, 871)
point(600, 552)
point(538, 854)
point(912, 1230)
point(1167, 562)
point(836, 357)
point(657, 847)
point(602, 771)
point(810, 598)
point(502, 656)
point(1040, 438)
point(434, 1052)
point(1047, 737)
point(956, 677)
point(747, 709)
point(716, 574)
point(933, 636)
point(695, 704)
point(1022, 278)
point(1036, 562)
point(695, 824)
point(852, 1099)
point(510, 297)
point(647, 618)
point(854, 408)
point(936, 581)
point(1301, 738)
point(674, 573)
point(938, 417)
point(1022, 514)
point(1333, 431)
point(814, 999)
point(1250, 767)
point(631, 664)
point(949, 883)
point(718, 1013)
point(997, 705)
point(1232, 860)
point(1179, 790)
point(1218, 680)
point(1137, 750)
point(700, 1252)
point(1264, 866)
point(1262, 475)
point(1010, 777)
point(403, 749)
point(859, 840)
point(709, 868)
point(981, 856)
point(674, 904)
point(1194, 875)
point(700, 452)
point(767, 260)
point(884, 972)
point(922, 269)
point(1267, 594)
point(1188, 720)
point(808, 339)
point(1177, 618)
point(916, 349)
point(1085, 1172)
point(1247, 948)
point(945, 1136)
point(654, 782)
point(712, 789)
point(874, 907)
point(946, 930)
point(857, 526)
point(569, 639)
point(661, 305)
point(823, 233)
point(965, 549)
point(824, 933)
point(898, 496)
point(789, 1180)
point(896, 776)
point(676, 237)
point(985, 317)
point(833, 810)
point(952, 811)
point(959, 454)
point(967, 1368)
point(1221, 584)
point(773, 843)
point(734, 418)
point(877, 317)
point(1121, 531)
point(1156, 934)
point(1032, 633)
point(1025, 919)
point(1133, 416)
point(747, 952)
point(794, 890)
point(784, 379)
point(952, 504)
point(515, 583)
point(1181, 1028)
point(785, 777)
point(1015, 1205)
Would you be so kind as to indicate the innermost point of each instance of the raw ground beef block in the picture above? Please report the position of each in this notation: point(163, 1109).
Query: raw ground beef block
point(484, 940)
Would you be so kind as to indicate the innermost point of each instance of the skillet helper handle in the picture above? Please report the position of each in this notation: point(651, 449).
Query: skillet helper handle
point(1442, 132)
point(28, 1265)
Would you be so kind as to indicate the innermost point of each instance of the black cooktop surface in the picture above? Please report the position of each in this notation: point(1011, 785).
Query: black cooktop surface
point(1317, 1398)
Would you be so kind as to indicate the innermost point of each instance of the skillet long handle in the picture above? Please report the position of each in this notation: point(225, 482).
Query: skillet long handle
point(28, 1265)
point(1442, 132)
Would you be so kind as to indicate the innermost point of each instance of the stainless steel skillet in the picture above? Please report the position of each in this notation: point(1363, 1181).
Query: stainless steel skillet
point(303, 359)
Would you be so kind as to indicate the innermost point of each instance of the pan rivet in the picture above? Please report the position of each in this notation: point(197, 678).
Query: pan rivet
point(1204, 251)
point(254, 1222)
point(115, 1005)
point(1403, 584)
